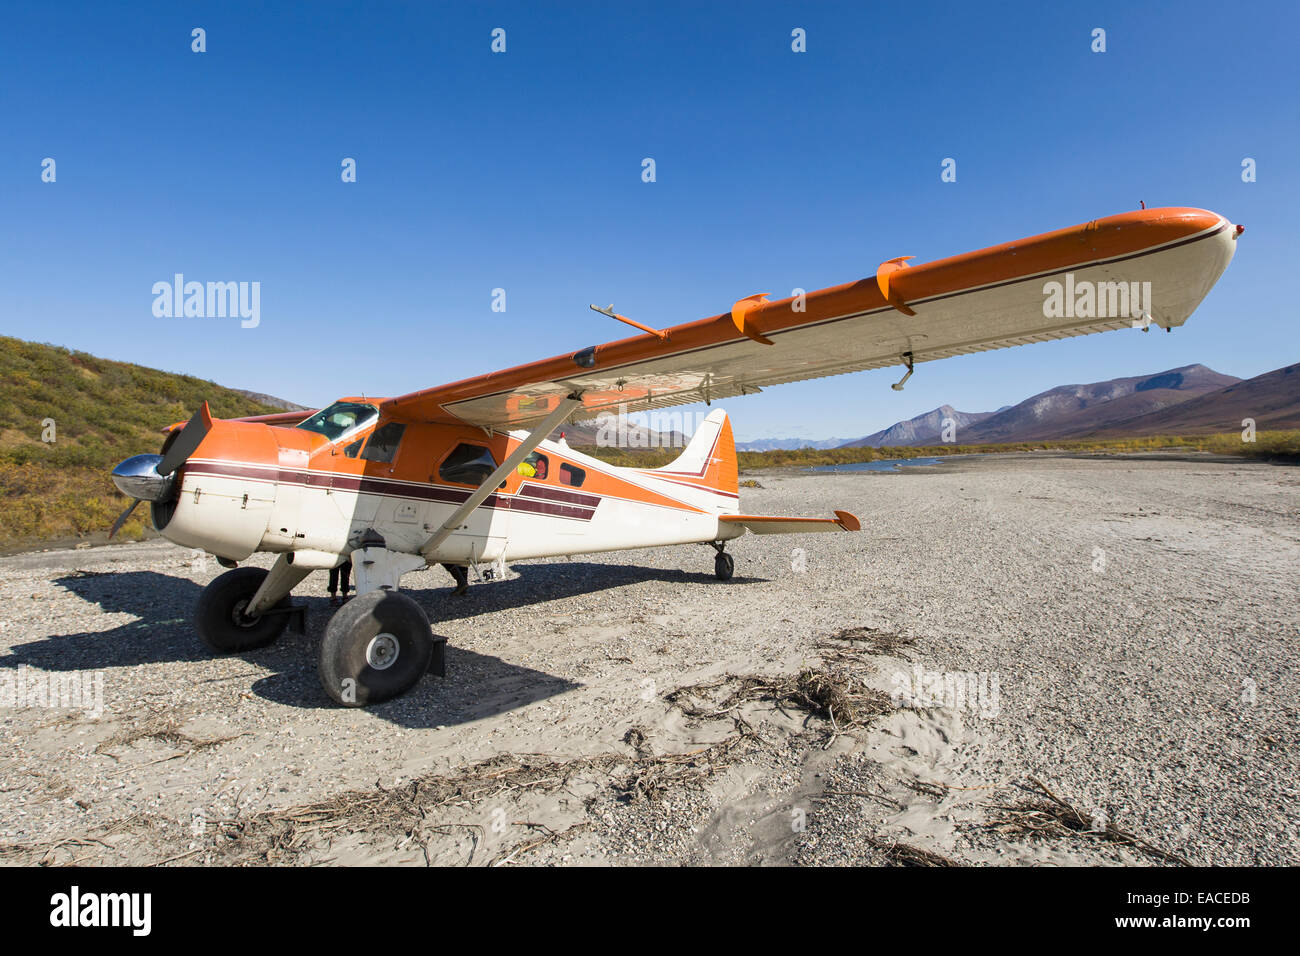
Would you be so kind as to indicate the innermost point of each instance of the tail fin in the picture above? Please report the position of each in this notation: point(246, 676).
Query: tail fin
point(709, 461)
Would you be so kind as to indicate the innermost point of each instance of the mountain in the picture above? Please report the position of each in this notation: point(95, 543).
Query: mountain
point(1191, 400)
point(271, 400)
point(1271, 399)
point(924, 429)
point(588, 433)
point(1074, 411)
point(785, 444)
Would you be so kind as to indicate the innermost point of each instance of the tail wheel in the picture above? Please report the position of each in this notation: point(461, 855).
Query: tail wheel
point(377, 646)
point(219, 616)
point(724, 566)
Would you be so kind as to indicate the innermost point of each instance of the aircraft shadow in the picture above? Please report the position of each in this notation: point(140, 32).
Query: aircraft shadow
point(477, 685)
point(164, 631)
point(536, 583)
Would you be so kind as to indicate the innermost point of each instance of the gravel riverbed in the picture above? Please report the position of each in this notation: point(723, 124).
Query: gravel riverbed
point(1119, 629)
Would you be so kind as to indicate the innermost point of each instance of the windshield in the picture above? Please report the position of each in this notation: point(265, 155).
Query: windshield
point(340, 418)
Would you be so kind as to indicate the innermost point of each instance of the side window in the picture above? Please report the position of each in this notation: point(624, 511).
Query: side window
point(535, 465)
point(467, 465)
point(572, 476)
point(351, 450)
point(383, 443)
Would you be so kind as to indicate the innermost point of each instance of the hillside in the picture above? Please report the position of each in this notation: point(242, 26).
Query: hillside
point(272, 401)
point(1191, 400)
point(922, 430)
point(1072, 411)
point(103, 411)
point(784, 444)
point(586, 432)
point(1271, 399)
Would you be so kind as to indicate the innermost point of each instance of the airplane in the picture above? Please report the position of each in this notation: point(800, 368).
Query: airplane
point(464, 474)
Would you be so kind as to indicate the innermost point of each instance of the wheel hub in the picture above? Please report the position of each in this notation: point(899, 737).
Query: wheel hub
point(382, 651)
point(238, 616)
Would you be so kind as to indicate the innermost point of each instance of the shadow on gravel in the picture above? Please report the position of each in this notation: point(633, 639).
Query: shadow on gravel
point(164, 632)
point(477, 686)
point(537, 583)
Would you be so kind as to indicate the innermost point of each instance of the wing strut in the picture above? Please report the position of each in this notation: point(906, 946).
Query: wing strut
point(554, 420)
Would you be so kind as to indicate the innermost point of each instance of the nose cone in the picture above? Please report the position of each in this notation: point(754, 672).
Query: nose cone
point(138, 477)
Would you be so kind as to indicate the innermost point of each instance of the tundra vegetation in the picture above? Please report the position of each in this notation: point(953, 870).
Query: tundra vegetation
point(102, 412)
point(1268, 445)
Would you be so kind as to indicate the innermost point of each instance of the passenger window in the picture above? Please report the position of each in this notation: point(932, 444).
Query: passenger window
point(383, 443)
point(572, 476)
point(535, 465)
point(467, 465)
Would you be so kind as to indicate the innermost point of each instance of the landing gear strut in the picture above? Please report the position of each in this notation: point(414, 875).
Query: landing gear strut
point(723, 564)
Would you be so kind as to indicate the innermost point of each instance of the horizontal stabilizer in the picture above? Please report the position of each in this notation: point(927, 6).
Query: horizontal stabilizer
point(777, 524)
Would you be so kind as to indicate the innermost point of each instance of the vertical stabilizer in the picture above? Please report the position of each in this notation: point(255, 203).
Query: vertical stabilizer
point(709, 461)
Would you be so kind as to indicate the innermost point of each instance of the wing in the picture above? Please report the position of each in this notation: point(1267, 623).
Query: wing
point(994, 298)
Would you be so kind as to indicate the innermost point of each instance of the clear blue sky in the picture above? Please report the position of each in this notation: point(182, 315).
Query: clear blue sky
point(522, 171)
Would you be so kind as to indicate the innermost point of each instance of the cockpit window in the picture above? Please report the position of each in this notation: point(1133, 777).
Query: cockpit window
point(340, 418)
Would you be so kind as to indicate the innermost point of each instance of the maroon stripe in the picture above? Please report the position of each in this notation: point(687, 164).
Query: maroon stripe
point(584, 508)
point(557, 494)
point(561, 511)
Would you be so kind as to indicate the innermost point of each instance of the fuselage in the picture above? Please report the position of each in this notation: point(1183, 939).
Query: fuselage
point(255, 487)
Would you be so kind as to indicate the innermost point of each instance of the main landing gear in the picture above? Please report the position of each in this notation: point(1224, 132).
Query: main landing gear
point(375, 647)
point(723, 564)
point(378, 645)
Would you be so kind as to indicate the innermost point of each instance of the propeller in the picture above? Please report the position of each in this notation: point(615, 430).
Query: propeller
point(121, 519)
point(150, 477)
point(187, 442)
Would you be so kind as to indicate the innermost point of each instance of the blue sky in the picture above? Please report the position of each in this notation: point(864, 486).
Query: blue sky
point(522, 171)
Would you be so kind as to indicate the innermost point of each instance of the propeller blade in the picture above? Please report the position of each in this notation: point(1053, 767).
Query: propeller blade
point(121, 519)
point(191, 436)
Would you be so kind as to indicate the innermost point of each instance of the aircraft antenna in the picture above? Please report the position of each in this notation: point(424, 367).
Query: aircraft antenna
point(609, 311)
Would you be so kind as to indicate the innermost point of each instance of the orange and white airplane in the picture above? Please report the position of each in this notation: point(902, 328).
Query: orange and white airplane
point(463, 474)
